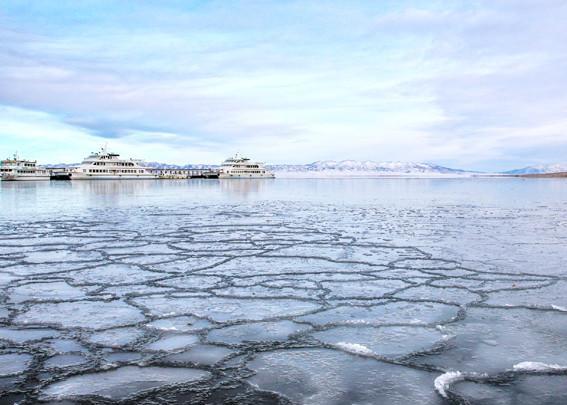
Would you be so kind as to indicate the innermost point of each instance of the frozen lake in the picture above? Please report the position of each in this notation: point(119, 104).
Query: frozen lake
point(331, 291)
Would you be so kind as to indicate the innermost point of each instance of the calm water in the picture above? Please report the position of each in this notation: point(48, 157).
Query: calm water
point(330, 291)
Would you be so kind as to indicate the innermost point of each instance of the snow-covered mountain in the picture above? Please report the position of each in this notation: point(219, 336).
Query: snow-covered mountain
point(540, 169)
point(355, 168)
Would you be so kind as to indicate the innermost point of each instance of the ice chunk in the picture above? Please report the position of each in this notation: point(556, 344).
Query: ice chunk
point(201, 354)
point(116, 337)
point(521, 334)
point(6, 278)
point(188, 264)
point(551, 296)
point(53, 291)
point(194, 282)
point(354, 348)
point(26, 335)
point(254, 266)
point(121, 383)
point(393, 312)
point(527, 390)
point(65, 360)
point(365, 289)
point(226, 309)
point(14, 363)
point(445, 294)
point(259, 291)
point(82, 314)
point(173, 342)
point(390, 341)
point(536, 366)
point(63, 256)
point(66, 346)
point(113, 274)
point(180, 324)
point(323, 376)
point(443, 382)
point(125, 357)
point(256, 332)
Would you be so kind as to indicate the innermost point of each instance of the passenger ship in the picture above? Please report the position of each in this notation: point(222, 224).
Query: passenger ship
point(242, 168)
point(17, 169)
point(109, 166)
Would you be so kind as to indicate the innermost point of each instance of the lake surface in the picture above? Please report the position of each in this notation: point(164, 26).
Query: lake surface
point(308, 291)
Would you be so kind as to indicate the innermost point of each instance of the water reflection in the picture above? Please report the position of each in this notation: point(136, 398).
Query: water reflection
point(244, 187)
point(42, 197)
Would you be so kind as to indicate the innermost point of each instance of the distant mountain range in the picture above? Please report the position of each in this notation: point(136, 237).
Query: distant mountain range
point(331, 168)
point(366, 168)
point(540, 169)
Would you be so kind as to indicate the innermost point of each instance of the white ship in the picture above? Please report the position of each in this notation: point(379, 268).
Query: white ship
point(109, 166)
point(17, 169)
point(242, 168)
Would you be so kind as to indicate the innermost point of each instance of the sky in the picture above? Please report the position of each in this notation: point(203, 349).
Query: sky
point(474, 84)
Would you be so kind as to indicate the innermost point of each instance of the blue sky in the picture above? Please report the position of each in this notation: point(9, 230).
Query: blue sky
point(477, 84)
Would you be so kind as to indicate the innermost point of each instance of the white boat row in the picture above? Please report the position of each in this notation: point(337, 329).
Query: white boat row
point(109, 166)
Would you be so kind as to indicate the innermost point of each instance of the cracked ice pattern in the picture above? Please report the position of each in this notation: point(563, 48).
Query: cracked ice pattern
point(279, 301)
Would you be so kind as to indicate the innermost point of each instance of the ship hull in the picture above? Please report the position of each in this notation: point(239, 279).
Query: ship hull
point(25, 178)
point(88, 176)
point(245, 176)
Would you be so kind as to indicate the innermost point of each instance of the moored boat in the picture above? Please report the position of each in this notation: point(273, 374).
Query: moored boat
point(243, 168)
point(16, 169)
point(109, 166)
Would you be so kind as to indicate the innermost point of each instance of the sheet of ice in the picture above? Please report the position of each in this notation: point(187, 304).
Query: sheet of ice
point(65, 360)
point(226, 309)
point(82, 314)
point(259, 291)
point(256, 332)
point(122, 357)
point(387, 341)
point(117, 337)
point(121, 383)
point(366, 288)
point(188, 264)
point(527, 390)
point(478, 346)
point(456, 296)
point(26, 335)
point(392, 312)
point(251, 252)
point(173, 342)
point(192, 282)
point(113, 274)
point(255, 266)
point(180, 324)
point(66, 346)
point(550, 297)
point(322, 376)
point(201, 354)
point(53, 291)
point(536, 366)
point(61, 256)
point(6, 278)
point(14, 363)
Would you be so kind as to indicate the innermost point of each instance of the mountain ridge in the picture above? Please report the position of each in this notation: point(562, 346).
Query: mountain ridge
point(365, 168)
point(540, 169)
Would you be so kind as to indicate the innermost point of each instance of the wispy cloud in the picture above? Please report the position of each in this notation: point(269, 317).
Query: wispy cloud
point(456, 82)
